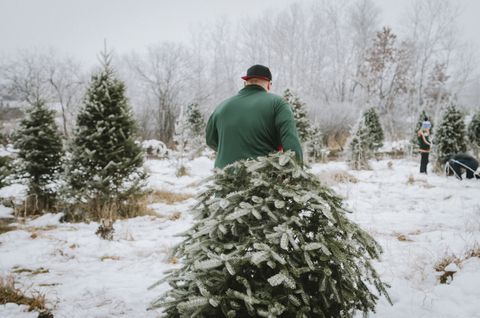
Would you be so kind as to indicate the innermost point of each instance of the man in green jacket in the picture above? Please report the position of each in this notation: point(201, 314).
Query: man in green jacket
point(252, 123)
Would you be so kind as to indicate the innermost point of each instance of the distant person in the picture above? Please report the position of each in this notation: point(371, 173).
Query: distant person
point(252, 123)
point(424, 144)
point(454, 164)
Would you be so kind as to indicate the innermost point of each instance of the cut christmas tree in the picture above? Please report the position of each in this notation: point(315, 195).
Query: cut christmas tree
point(271, 241)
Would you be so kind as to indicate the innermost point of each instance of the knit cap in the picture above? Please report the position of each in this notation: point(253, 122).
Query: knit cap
point(426, 123)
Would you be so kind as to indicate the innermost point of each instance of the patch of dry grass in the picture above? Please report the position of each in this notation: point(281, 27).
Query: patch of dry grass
point(10, 294)
point(175, 216)
point(449, 259)
point(334, 177)
point(40, 270)
point(6, 228)
point(128, 207)
point(104, 257)
point(168, 197)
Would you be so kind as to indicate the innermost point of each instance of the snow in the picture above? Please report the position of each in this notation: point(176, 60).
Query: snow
point(420, 223)
point(6, 212)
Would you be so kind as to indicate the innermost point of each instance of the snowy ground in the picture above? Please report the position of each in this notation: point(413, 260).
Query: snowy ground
point(419, 224)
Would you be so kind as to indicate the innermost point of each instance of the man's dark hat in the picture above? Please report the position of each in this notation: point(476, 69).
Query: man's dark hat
point(259, 71)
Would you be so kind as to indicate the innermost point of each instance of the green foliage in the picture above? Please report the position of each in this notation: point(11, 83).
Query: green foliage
point(106, 160)
point(189, 134)
point(451, 134)
point(196, 130)
point(195, 119)
point(5, 161)
point(474, 132)
point(359, 146)
point(5, 170)
point(271, 241)
point(309, 134)
point(313, 147)
point(40, 150)
point(372, 122)
point(299, 113)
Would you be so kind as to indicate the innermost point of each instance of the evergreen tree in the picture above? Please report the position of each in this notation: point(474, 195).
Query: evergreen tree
point(313, 146)
point(451, 135)
point(304, 125)
point(40, 151)
point(5, 161)
point(181, 137)
point(359, 146)
point(474, 133)
point(105, 165)
point(196, 124)
point(374, 127)
point(309, 134)
point(271, 246)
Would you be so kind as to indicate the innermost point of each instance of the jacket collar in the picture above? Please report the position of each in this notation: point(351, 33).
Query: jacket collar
point(252, 88)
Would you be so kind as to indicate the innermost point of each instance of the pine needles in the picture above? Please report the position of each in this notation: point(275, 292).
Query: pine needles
point(271, 241)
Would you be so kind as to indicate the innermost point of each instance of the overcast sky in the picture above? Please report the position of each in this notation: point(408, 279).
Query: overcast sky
point(79, 27)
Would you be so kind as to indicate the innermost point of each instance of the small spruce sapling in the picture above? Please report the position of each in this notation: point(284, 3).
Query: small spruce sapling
point(450, 136)
point(372, 122)
point(182, 134)
point(474, 133)
point(359, 146)
point(309, 134)
point(40, 152)
point(5, 161)
point(271, 241)
point(196, 124)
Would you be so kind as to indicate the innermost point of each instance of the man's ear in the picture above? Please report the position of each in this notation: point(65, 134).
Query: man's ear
point(244, 83)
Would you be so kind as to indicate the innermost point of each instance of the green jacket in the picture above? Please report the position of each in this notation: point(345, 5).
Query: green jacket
point(423, 142)
point(251, 124)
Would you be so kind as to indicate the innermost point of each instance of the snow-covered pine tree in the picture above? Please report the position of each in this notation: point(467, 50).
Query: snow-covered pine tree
point(359, 146)
point(105, 165)
point(313, 147)
point(474, 133)
point(304, 125)
point(196, 125)
point(40, 152)
point(309, 134)
point(271, 241)
point(372, 122)
point(181, 137)
point(451, 134)
point(5, 169)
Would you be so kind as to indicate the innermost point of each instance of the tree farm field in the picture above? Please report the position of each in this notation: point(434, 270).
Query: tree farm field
point(427, 225)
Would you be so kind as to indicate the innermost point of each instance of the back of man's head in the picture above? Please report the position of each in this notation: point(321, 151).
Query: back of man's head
point(258, 71)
